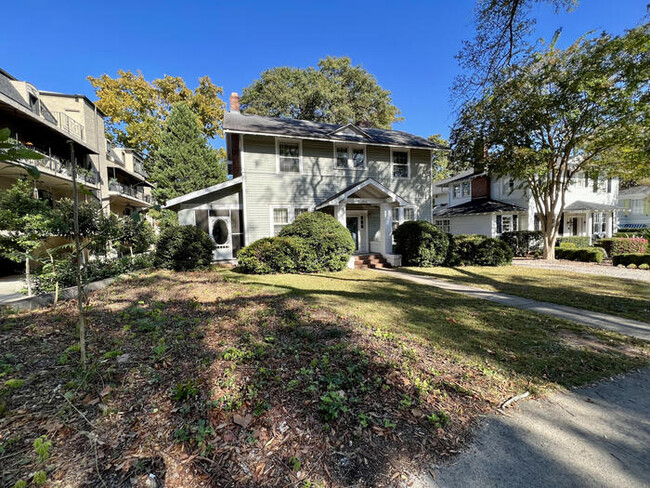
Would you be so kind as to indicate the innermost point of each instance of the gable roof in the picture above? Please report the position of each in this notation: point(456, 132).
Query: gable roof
point(8, 90)
point(478, 206)
point(306, 129)
point(200, 193)
point(591, 206)
point(641, 190)
point(367, 184)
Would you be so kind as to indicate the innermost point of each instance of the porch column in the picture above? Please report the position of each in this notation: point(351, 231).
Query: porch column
point(590, 225)
point(386, 224)
point(609, 224)
point(340, 214)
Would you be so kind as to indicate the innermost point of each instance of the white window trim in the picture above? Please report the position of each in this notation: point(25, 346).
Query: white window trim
point(408, 163)
point(443, 225)
point(291, 214)
point(350, 147)
point(278, 140)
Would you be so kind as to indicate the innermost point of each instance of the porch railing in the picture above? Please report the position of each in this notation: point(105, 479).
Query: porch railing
point(61, 167)
point(132, 191)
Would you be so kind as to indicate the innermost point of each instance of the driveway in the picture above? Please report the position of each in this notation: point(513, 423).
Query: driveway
point(597, 436)
point(588, 268)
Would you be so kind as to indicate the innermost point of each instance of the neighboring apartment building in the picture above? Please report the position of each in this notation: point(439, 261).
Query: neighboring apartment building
point(476, 203)
point(49, 123)
point(369, 179)
point(635, 211)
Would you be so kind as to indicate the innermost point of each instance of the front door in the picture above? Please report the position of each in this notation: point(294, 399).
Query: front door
point(221, 234)
point(352, 223)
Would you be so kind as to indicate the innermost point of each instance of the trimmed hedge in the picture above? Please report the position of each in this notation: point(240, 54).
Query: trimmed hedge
point(579, 241)
point(524, 242)
point(584, 254)
point(331, 243)
point(184, 248)
point(277, 255)
point(421, 244)
point(478, 250)
point(623, 245)
point(631, 258)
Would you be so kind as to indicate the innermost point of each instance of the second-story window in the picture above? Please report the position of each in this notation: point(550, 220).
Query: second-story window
point(400, 164)
point(508, 186)
point(467, 188)
point(288, 157)
point(350, 157)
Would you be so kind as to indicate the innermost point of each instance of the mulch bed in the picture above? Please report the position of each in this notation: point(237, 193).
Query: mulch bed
point(195, 381)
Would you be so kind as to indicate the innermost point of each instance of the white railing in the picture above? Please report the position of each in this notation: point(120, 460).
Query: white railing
point(69, 125)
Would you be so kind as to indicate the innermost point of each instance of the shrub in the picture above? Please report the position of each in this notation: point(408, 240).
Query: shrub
point(584, 254)
point(478, 250)
point(421, 243)
point(579, 241)
point(631, 258)
point(568, 245)
point(524, 242)
point(644, 266)
point(277, 255)
point(623, 245)
point(331, 243)
point(184, 248)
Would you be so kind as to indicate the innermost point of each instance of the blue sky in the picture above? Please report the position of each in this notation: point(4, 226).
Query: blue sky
point(409, 45)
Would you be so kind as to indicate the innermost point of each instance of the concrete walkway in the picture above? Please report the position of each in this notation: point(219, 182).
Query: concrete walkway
point(587, 317)
point(598, 436)
point(10, 287)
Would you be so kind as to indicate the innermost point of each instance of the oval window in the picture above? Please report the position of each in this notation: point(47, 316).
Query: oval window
point(220, 232)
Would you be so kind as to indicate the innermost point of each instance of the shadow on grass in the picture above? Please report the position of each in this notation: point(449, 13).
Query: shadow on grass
point(632, 300)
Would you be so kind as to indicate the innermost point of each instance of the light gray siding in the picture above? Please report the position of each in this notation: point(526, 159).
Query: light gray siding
point(264, 187)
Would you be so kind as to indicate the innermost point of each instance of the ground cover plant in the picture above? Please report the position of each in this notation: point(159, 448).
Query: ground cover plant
point(221, 379)
point(615, 296)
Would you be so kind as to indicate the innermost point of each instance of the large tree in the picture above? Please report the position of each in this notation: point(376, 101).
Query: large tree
point(440, 164)
point(557, 113)
point(136, 109)
point(503, 29)
point(335, 91)
point(184, 161)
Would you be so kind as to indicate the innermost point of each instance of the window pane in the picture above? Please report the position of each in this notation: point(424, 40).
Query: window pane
point(358, 158)
point(289, 165)
point(400, 157)
point(341, 157)
point(220, 232)
point(280, 215)
point(289, 150)
point(466, 189)
point(400, 171)
point(395, 214)
point(409, 214)
point(456, 191)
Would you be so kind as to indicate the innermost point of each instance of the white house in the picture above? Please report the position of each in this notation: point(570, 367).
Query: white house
point(635, 203)
point(476, 203)
point(370, 179)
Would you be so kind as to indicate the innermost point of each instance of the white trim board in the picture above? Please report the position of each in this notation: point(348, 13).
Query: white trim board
point(202, 192)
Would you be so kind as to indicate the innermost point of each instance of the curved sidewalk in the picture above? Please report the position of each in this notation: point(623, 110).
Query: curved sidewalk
point(621, 325)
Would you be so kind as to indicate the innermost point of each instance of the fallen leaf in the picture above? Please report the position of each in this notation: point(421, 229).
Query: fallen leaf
point(243, 421)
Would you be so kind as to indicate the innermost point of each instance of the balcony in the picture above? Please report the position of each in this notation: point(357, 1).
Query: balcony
point(138, 167)
point(61, 167)
point(69, 125)
point(135, 192)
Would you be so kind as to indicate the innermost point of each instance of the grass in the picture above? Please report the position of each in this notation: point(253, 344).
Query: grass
point(339, 379)
point(615, 296)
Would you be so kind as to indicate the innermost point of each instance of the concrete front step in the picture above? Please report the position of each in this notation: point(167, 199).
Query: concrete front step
point(370, 261)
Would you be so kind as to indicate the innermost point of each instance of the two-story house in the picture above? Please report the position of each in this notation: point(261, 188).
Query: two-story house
point(635, 208)
point(369, 179)
point(476, 203)
point(50, 123)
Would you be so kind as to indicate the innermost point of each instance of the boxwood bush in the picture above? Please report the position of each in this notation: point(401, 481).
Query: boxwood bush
point(421, 243)
point(579, 241)
point(631, 258)
point(331, 243)
point(184, 248)
point(584, 254)
point(478, 250)
point(277, 255)
point(524, 242)
point(623, 245)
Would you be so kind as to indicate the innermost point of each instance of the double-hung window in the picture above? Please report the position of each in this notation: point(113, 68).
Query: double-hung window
point(409, 214)
point(281, 216)
point(506, 223)
point(466, 189)
point(456, 191)
point(400, 160)
point(508, 186)
point(350, 157)
point(636, 206)
point(289, 157)
point(599, 223)
point(443, 224)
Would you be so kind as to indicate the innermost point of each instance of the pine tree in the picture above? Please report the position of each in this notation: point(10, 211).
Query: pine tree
point(184, 161)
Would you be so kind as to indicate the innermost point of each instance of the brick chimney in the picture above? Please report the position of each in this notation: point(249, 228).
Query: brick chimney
point(234, 102)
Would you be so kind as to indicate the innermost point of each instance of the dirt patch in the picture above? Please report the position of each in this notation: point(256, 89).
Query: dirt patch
point(589, 342)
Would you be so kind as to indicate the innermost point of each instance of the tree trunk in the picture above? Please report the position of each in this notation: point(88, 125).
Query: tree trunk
point(78, 253)
point(28, 277)
point(56, 280)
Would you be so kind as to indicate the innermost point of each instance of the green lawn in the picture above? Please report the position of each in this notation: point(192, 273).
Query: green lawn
point(508, 347)
point(616, 296)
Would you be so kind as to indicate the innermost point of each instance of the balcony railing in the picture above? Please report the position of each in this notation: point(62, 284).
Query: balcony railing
point(138, 167)
point(132, 191)
point(61, 167)
point(69, 125)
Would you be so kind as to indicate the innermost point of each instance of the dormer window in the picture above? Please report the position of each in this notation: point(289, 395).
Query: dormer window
point(350, 157)
point(33, 104)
